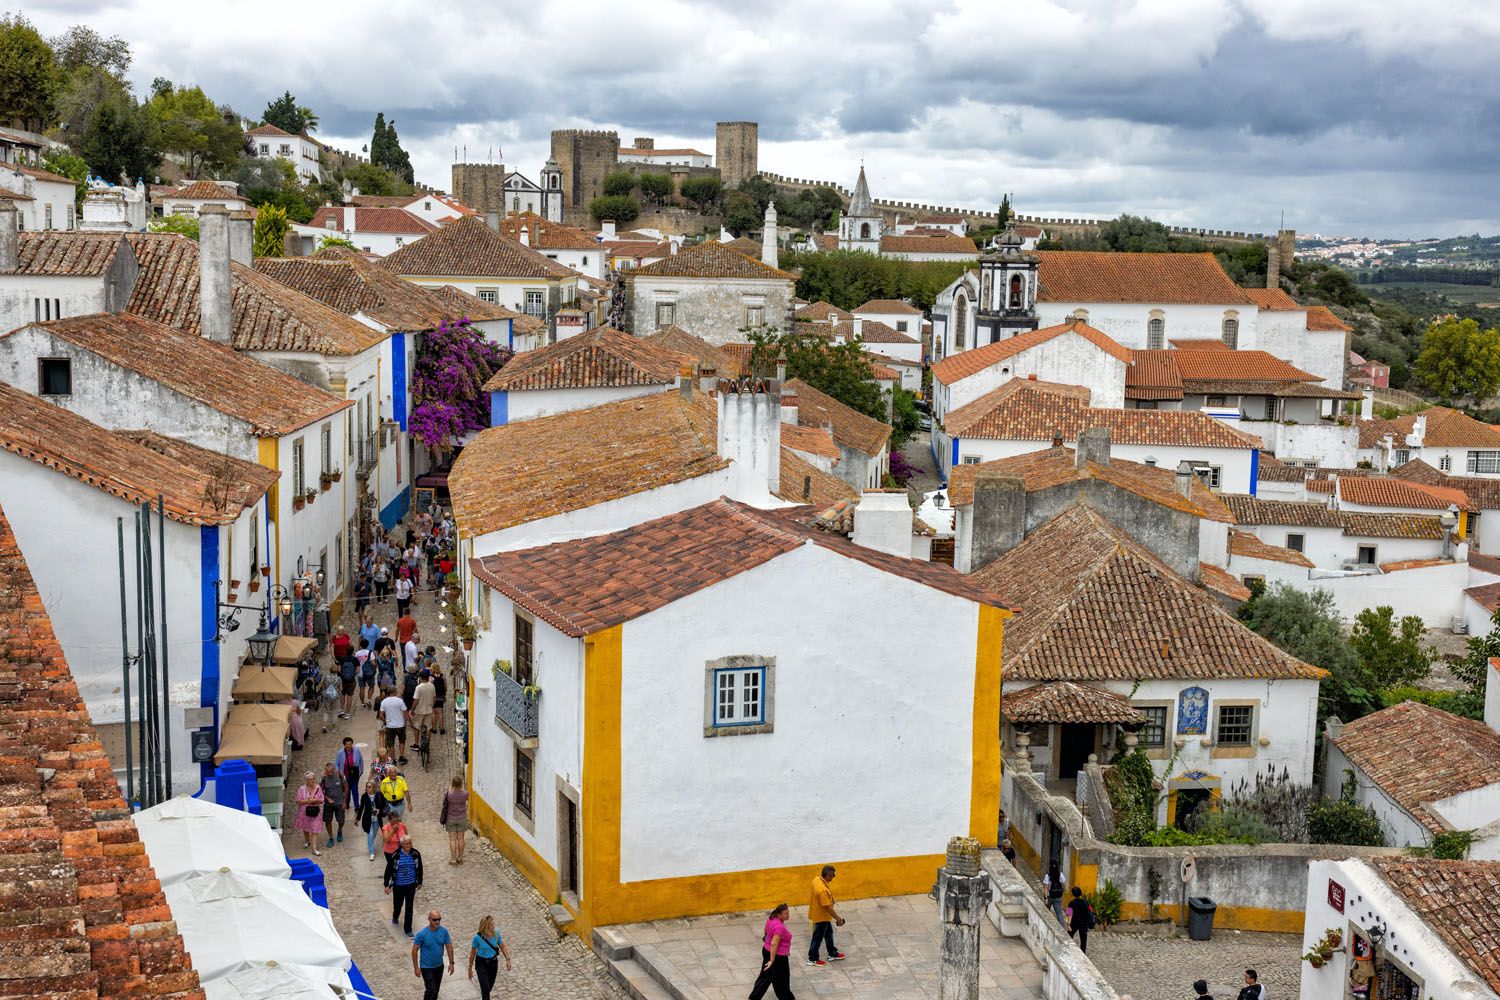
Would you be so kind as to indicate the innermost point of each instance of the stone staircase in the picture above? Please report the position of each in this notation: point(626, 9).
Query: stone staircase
point(642, 970)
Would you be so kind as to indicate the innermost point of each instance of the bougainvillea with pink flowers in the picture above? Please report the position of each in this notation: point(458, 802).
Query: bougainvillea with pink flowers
point(447, 385)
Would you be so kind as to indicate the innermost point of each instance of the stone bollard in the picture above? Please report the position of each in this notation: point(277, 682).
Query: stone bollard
point(963, 896)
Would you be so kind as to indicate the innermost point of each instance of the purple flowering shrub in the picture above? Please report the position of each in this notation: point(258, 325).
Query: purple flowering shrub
point(901, 469)
point(448, 398)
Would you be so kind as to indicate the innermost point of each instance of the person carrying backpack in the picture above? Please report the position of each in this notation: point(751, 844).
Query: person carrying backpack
point(1081, 919)
point(348, 681)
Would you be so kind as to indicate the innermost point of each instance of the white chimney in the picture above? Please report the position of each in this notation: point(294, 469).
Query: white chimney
point(725, 236)
point(241, 239)
point(882, 521)
point(350, 223)
point(1367, 404)
point(10, 238)
point(768, 249)
point(788, 407)
point(526, 236)
point(1184, 478)
point(859, 327)
point(750, 434)
point(1418, 431)
point(608, 227)
point(215, 281)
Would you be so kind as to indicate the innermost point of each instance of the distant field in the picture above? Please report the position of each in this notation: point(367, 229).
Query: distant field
point(1487, 296)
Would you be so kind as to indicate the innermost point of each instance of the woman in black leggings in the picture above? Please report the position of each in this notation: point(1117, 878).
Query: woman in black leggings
point(484, 954)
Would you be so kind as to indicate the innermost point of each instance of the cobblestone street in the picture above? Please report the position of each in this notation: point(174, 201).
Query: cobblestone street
point(546, 965)
point(1148, 966)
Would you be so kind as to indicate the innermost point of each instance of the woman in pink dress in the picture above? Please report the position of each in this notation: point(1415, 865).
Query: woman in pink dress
point(309, 811)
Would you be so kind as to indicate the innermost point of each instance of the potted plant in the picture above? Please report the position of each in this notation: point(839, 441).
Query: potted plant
point(325, 480)
point(502, 667)
point(532, 691)
point(336, 474)
point(298, 502)
point(265, 570)
point(254, 584)
point(311, 494)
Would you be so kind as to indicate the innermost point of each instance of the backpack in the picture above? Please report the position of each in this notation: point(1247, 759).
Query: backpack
point(1092, 920)
point(348, 669)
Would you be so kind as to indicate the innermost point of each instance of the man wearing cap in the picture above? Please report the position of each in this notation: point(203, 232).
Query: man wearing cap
point(423, 699)
point(403, 877)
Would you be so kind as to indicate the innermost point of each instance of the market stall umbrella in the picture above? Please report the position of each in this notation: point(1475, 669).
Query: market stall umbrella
point(240, 715)
point(268, 981)
point(233, 921)
point(256, 742)
point(186, 837)
point(256, 682)
point(291, 648)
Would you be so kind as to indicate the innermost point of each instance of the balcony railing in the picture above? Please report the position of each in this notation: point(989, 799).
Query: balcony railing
point(515, 709)
point(369, 454)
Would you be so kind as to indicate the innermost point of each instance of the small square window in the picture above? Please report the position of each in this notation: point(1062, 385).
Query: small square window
point(1294, 541)
point(1234, 725)
point(665, 314)
point(738, 699)
point(56, 377)
point(1216, 400)
point(490, 295)
point(1367, 555)
point(1445, 464)
point(755, 316)
point(901, 326)
point(971, 460)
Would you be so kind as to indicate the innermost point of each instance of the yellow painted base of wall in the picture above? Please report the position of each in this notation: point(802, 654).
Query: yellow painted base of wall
point(488, 823)
point(1235, 918)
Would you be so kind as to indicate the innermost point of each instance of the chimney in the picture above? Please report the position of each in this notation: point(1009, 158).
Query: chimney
point(684, 377)
point(1057, 438)
point(882, 521)
point(708, 378)
point(526, 236)
point(750, 433)
point(789, 407)
point(10, 245)
point(1184, 478)
point(492, 219)
point(781, 366)
point(242, 238)
point(1093, 446)
point(1367, 404)
point(999, 517)
point(351, 223)
point(607, 226)
point(1273, 266)
point(859, 327)
point(215, 282)
point(1418, 431)
point(768, 248)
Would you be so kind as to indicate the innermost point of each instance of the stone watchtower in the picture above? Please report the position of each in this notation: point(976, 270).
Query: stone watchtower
point(481, 186)
point(584, 156)
point(1280, 253)
point(737, 152)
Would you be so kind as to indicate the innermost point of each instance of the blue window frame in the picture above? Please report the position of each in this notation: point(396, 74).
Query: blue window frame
point(739, 696)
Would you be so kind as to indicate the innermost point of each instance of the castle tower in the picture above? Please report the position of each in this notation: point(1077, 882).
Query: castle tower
point(859, 228)
point(552, 191)
point(585, 157)
point(768, 249)
point(737, 152)
point(1007, 290)
point(481, 186)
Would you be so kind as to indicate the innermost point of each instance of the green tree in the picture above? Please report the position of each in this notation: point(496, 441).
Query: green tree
point(702, 192)
point(1002, 217)
point(655, 186)
point(80, 95)
point(82, 46)
point(1334, 285)
point(370, 179)
point(619, 183)
point(286, 114)
point(270, 180)
point(1459, 360)
point(740, 215)
point(622, 208)
point(1344, 821)
point(189, 124)
point(335, 241)
point(28, 74)
point(386, 151)
point(270, 232)
point(1391, 653)
point(840, 370)
point(1307, 626)
point(69, 165)
point(905, 417)
point(848, 278)
point(762, 192)
point(119, 142)
point(185, 225)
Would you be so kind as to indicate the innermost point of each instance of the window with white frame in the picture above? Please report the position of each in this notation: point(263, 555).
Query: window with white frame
point(1484, 461)
point(755, 316)
point(1212, 475)
point(535, 303)
point(1445, 464)
point(738, 696)
point(1234, 725)
point(1230, 330)
point(665, 314)
point(1156, 333)
point(971, 460)
point(1402, 456)
point(299, 476)
point(490, 295)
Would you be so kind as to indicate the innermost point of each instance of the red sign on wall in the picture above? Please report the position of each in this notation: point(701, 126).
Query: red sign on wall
point(1335, 895)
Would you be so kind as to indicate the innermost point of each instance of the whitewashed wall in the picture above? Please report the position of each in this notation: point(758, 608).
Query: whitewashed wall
point(525, 404)
point(711, 308)
point(1234, 463)
point(1126, 321)
point(76, 297)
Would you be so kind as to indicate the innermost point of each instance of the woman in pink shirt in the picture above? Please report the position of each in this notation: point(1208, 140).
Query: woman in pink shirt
point(775, 970)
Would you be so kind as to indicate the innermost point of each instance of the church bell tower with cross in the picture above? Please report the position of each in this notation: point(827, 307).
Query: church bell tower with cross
point(1007, 290)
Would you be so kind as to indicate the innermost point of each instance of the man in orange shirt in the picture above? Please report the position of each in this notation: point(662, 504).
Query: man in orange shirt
point(823, 916)
point(405, 626)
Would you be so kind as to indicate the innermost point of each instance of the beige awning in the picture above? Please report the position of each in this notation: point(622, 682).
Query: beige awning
point(256, 742)
point(291, 648)
point(256, 683)
point(243, 715)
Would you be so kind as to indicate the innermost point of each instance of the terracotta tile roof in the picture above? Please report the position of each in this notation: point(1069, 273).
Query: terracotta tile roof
point(468, 247)
point(269, 130)
point(744, 245)
point(1066, 702)
point(83, 912)
point(590, 584)
point(1448, 428)
point(803, 482)
point(1483, 493)
point(810, 440)
point(636, 248)
point(380, 200)
point(1484, 563)
point(545, 235)
point(36, 173)
point(1319, 486)
point(50, 252)
point(1093, 605)
point(886, 359)
point(458, 304)
point(826, 241)
point(1456, 900)
point(1371, 491)
point(1323, 318)
point(372, 220)
point(1396, 567)
point(1303, 513)
point(1486, 596)
point(1222, 582)
point(948, 242)
point(1419, 526)
point(710, 259)
point(1166, 278)
point(1204, 344)
point(1153, 375)
point(1375, 429)
point(197, 486)
point(960, 366)
point(599, 357)
point(1026, 410)
point(342, 279)
point(202, 191)
point(707, 356)
point(1271, 299)
point(1239, 366)
point(1243, 543)
point(1418, 754)
point(887, 307)
point(741, 353)
point(1040, 470)
point(880, 373)
point(270, 401)
point(873, 331)
point(851, 429)
point(267, 315)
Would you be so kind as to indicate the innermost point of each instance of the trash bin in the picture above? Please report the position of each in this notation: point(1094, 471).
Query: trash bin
point(1201, 918)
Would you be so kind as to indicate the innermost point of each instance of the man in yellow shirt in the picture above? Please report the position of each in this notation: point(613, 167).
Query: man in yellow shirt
point(397, 795)
point(823, 916)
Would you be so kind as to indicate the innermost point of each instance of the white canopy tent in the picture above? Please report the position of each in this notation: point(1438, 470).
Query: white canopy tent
point(233, 921)
point(269, 981)
point(186, 837)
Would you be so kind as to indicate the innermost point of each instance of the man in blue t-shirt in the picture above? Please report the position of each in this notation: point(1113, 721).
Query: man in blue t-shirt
point(427, 955)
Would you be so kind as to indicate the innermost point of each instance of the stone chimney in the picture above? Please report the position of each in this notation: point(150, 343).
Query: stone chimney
point(781, 366)
point(607, 227)
point(684, 379)
point(999, 517)
point(882, 521)
point(10, 237)
point(789, 407)
point(1367, 403)
point(242, 238)
point(492, 219)
point(1093, 446)
point(768, 248)
point(215, 281)
point(526, 236)
point(1184, 478)
point(750, 433)
point(1273, 266)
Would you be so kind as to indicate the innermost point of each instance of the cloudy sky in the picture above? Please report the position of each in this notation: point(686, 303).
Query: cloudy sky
point(1358, 117)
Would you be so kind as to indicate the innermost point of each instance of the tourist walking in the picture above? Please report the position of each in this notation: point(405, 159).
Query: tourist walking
point(423, 700)
point(391, 832)
point(351, 764)
point(348, 668)
point(403, 877)
point(309, 811)
point(393, 711)
point(1053, 883)
point(367, 814)
point(1252, 989)
point(427, 951)
point(365, 658)
point(369, 631)
point(455, 819)
point(440, 686)
point(484, 955)
point(403, 593)
point(381, 577)
point(332, 687)
point(1007, 851)
point(334, 793)
point(1080, 919)
point(397, 795)
point(775, 961)
point(823, 916)
point(1200, 990)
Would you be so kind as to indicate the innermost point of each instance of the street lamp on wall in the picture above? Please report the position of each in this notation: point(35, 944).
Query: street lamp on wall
point(263, 639)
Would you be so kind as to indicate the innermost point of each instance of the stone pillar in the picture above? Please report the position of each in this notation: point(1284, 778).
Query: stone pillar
point(963, 896)
point(215, 279)
point(10, 240)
